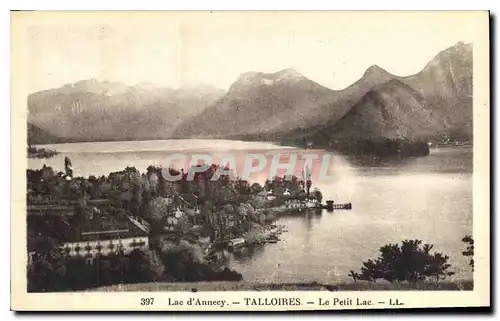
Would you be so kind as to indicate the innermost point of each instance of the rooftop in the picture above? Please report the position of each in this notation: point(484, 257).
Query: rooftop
point(103, 227)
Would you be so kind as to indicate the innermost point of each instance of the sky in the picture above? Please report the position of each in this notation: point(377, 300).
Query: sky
point(169, 49)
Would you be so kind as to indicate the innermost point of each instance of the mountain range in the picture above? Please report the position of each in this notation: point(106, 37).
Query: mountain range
point(284, 106)
point(91, 110)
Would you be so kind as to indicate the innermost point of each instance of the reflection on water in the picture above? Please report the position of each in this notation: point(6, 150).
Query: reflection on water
point(246, 254)
point(429, 198)
point(451, 160)
point(309, 219)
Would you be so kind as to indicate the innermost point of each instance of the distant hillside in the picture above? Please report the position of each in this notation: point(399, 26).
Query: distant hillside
point(91, 110)
point(391, 110)
point(259, 103)
point(287, 107)
point(437, 102)
point(284, 106)
point(38, 136)
point(446, 85)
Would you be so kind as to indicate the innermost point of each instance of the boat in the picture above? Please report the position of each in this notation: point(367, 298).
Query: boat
point(235, 243)
point(272, 237)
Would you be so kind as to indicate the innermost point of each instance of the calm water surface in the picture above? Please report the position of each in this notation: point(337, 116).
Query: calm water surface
point(427, 198)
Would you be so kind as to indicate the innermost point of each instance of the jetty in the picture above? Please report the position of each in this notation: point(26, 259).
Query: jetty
point(330, 206)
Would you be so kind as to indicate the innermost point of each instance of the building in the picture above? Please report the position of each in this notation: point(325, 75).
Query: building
point(105, 235)
point(174, 220)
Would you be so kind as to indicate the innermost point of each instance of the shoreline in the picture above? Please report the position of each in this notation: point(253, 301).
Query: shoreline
point(235, 139)
point(34, 152)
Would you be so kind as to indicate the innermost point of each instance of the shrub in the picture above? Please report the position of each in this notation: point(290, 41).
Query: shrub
point(411, 261)
point(185, 262)
point(256, 188)
point(145, 266)
point(317, 195)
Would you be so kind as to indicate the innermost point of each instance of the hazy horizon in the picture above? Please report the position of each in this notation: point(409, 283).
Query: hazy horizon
point(177, 49)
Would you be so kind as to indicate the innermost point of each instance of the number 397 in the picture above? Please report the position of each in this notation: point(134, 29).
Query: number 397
point(147, 301)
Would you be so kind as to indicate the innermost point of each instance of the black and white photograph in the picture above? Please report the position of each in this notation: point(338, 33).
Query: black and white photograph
point(157, 154)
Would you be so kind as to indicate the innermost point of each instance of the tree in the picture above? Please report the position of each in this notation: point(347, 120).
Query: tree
point(469, 252)
point(41, 276)
point(79, 275)
point(182, 261)
point(242, 187)
point(411, 261)
point(279, 190)
point(159, 207)
point(269, 185)
point(137, 191)
point(47, 271)
point(144, 266)
point(256, 188)
point(317, 195)
point(308, 187)
point(68, 167)
point(355, 276)
point(438, 267)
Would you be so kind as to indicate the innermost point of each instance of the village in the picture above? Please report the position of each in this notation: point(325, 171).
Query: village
point(129, 211)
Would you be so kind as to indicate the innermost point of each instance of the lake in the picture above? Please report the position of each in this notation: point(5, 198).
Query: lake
point(427, 198)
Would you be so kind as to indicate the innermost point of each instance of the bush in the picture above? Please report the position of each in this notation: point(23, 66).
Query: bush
point(411, 262)
point(144, 266)
point(45, 276)
point(73, 273)
point(185, 263)
point(256, 188)
point(317, 195)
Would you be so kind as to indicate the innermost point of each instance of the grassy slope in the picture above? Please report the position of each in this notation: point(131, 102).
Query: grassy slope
point(312, 286)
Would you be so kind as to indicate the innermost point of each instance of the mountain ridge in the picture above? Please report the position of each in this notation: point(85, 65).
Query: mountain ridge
point(284, 105)
point(433, 81)
point(92, 110)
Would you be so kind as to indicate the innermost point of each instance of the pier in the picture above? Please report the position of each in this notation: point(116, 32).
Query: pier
point(330, 206)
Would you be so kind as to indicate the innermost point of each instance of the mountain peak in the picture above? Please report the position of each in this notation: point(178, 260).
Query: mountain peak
point(452, 57)
point(253, 78)
point(374, 70)
point(92, 80)
point(289, 73)
point(462, 44)
point(460, 49)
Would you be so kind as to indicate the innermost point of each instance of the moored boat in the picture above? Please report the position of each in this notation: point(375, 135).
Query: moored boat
point(236, 243)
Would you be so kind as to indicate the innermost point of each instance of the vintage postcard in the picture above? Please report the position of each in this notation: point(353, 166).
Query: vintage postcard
point(250, 161)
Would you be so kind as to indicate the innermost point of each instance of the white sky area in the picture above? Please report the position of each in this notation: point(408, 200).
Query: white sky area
point(169, 49)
